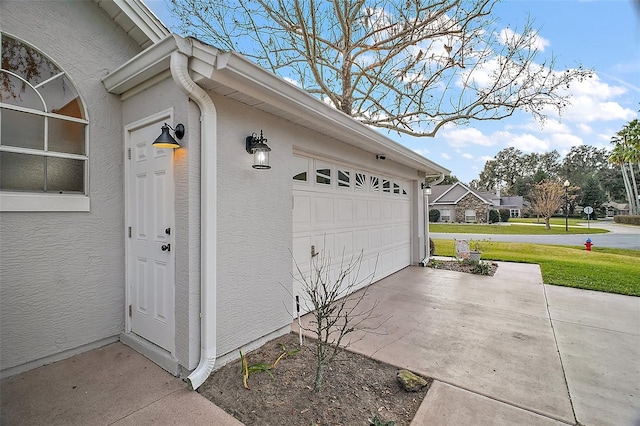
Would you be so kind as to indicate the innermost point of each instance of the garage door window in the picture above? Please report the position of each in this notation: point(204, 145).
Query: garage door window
point(386, 185)
point(375, 184)
point(301, 167)
point(361, 181)
point(323, 174)
point(43, 148)
point(344, 179)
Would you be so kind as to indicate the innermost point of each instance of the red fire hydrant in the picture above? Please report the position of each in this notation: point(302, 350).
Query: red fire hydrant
point(588, 244)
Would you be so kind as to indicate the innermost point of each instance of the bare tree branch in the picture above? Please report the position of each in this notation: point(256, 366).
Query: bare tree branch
point(410, 66)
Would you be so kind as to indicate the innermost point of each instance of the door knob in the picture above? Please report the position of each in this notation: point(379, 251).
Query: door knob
point(166, 247)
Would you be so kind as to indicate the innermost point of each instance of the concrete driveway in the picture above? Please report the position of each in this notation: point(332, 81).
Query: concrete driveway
point(507, 349)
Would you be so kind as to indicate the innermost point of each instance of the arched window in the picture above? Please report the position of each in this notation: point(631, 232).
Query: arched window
point(43, 125)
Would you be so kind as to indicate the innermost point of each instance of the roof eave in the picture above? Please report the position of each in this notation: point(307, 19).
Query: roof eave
point(135, 18)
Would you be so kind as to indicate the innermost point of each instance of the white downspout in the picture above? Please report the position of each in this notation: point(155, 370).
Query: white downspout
point(208, 219)
point(427, 253)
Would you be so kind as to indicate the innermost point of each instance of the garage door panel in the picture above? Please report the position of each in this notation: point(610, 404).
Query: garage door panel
point(361, 211)
point(324, 212)
point(401, 234)
point(400, 211)
point(344, 212)
point(301, 213)
point(375, 211)
point(344, 243)
point(387, 236)
point(387, 211)
point(302, 250)
point(361, 240)
point(375, 239)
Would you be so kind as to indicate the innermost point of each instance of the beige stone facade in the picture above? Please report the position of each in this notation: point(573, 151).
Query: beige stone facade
point(471, 202)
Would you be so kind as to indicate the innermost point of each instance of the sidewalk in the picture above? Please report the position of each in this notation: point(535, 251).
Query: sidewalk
point(113, 385)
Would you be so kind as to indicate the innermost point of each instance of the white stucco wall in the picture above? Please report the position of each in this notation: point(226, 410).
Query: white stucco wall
point(62, 274)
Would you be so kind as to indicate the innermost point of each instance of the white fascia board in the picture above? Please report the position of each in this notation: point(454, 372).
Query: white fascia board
point(235, 71)
point(144, 19)
point(149, 63)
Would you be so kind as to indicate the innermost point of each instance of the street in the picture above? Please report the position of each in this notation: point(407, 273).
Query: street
point(620, 236)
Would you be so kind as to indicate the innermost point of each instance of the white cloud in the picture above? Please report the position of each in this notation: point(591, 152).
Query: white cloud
point(549, 126)
point(529, 143)
point(445, 156)
point(467, 156)
point(584, 128)
point(465, 137)
point(565, 141)
point(508, 36)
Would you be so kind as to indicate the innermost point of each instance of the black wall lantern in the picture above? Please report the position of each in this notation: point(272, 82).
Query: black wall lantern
point(260, 150)
point(165, 140)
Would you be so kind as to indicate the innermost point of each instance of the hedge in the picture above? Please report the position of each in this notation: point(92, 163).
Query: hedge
point(627, 219)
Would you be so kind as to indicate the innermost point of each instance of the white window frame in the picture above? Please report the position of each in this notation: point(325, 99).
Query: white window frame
point(447, 216)
point(467, 215)
point(19, 201)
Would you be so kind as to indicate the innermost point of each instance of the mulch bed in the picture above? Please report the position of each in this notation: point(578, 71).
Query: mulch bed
point(460, 266)
point(355, 389)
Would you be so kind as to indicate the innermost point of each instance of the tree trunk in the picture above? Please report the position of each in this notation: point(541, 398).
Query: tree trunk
point(627, 187)
point(319, 377)
point(634, 190)
point(547, 224)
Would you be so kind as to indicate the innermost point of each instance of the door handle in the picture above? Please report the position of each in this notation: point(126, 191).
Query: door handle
point(166, 247)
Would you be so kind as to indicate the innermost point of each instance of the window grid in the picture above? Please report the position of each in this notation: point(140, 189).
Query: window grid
point(48, 93)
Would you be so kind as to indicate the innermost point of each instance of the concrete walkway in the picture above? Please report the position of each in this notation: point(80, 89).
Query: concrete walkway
point(507, 349)
point(503, 350)
point(113, 385)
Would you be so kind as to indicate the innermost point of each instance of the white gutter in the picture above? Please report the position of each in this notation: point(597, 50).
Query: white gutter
point(427, 254)
point(208, 218)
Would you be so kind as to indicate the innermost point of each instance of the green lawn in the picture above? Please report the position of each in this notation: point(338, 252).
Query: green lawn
point(554, 221)
point(603, 269)
point(453, 228)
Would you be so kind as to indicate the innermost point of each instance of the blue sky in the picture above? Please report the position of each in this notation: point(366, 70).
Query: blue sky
point(603, 35)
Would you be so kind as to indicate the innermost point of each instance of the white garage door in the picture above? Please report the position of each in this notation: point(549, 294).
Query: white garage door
point(341, 212)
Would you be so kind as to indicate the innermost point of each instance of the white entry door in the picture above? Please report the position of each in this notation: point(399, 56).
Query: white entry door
point(151, 231)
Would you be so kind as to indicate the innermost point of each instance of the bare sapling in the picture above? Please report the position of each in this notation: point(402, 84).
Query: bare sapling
point(335, 306)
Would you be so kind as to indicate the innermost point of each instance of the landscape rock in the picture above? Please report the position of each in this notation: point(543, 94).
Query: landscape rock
point(410, 382)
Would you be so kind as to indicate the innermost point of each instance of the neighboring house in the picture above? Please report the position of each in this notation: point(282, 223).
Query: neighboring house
point(615, 209)
point(185, 254)
point(461, 203)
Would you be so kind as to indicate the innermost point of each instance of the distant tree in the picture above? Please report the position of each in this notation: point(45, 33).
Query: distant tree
point(592, 193)
point(410, 66)
point(502, 172)
point(546, 198)
point(505, 215)
point(450, 180)
point(626, 154)
point(511, 170)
